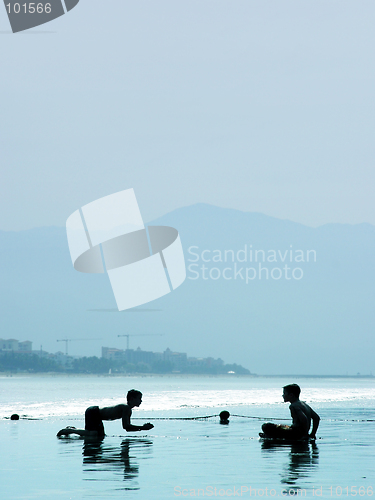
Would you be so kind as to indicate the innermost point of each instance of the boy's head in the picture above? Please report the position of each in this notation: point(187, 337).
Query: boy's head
point(134, 396)
point(292, 390)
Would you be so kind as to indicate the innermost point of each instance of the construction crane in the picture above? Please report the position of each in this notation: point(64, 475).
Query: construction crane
point(127, 335)
point(71, 340)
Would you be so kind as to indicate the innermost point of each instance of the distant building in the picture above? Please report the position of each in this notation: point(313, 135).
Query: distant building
point(139, 356)
point(25, 346)
point(113, 353)
point(196, 362)
point(15, 346)
point(129, 355)
point(61, 358)
point(9, 345)
point(178, 360)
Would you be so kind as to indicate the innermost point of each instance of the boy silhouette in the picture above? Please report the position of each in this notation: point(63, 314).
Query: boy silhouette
point(302, 415)
point(94, 417)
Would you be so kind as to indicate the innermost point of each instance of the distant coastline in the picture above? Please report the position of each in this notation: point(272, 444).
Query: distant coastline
point(18, 356)
point(4, 374)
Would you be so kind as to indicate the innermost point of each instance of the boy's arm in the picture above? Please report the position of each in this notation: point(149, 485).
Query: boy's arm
point(316, 419)
point(126, 414)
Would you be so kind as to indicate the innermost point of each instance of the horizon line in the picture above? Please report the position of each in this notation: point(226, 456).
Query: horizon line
point(211, 206)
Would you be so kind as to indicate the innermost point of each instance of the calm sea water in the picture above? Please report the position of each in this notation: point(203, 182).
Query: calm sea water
point(184, 458)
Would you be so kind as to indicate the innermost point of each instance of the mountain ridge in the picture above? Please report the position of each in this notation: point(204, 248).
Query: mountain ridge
point(264, 324)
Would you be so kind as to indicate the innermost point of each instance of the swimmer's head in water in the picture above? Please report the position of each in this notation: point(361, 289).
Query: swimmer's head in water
point(224, 416)
point(134, 395)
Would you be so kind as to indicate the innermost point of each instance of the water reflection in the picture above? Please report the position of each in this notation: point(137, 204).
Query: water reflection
point(303, 460)
point(100, 458)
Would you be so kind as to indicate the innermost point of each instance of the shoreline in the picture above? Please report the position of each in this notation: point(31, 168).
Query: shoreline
point(176, 375)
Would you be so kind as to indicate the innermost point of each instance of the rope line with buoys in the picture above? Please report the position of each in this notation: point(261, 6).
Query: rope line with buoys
point(224, 416)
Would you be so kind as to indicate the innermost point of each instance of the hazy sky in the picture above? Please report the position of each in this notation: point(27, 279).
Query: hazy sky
point(262, 105)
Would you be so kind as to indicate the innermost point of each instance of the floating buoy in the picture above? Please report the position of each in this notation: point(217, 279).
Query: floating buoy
point(224, 417)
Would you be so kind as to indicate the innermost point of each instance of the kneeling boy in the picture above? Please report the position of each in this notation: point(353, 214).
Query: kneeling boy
point(94, 417)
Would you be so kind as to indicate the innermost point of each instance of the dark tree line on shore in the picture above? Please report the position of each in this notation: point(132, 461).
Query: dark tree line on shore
point(11, 361)
point(15, 362)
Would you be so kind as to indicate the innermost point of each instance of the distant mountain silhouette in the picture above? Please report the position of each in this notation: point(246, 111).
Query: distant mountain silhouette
point(322, 323)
